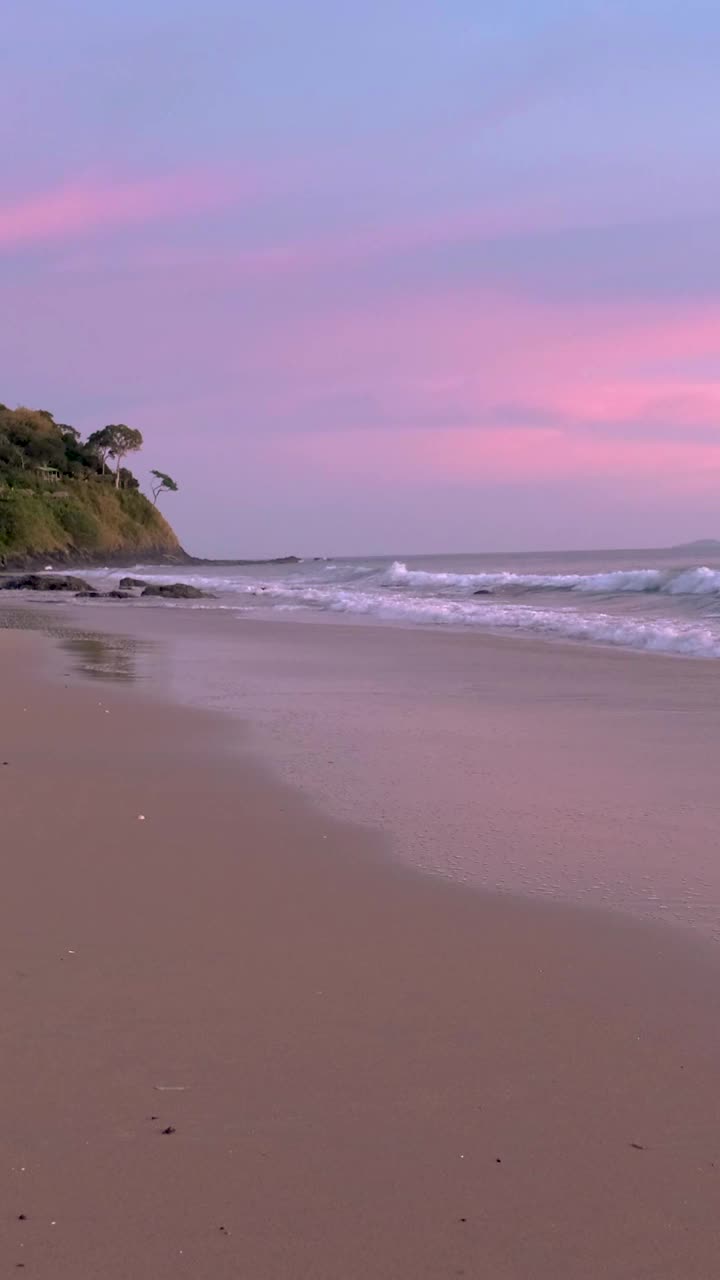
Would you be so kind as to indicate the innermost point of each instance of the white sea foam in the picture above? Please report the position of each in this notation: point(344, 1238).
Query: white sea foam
point(658, 635)
point(700, 581)
point(696, 581)
point(619, 607)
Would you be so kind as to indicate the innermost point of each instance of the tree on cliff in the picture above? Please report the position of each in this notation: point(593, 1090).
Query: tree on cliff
point(121, 441)
point(99, 442)
point(128, 480)
point(162, 484)
point(32, 438)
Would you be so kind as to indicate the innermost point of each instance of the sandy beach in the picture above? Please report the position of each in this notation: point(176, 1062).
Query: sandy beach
point(359, 641)
point(575, 773)
point(366, 1072)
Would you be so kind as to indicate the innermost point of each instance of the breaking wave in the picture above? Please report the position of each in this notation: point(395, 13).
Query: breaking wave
point(657, 635)
point(695, 581)
point(674, 610)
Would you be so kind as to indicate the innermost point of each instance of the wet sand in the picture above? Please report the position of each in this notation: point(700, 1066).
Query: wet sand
point(367, 1073)
point(571, 772)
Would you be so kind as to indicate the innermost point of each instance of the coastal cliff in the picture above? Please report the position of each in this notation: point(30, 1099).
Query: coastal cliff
point(81, 523)
point(59, 500)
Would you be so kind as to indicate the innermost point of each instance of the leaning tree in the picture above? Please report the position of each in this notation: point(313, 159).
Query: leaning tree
point(162, 483)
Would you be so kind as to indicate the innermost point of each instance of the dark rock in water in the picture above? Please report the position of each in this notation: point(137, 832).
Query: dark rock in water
point(177, 591)
point(105, 595)
point(275, 560)
point(127, 584)
point(482, 591)
point(36, 582)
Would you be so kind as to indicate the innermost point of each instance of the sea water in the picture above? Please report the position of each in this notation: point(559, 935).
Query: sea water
point(658, 601)
point(559, 770)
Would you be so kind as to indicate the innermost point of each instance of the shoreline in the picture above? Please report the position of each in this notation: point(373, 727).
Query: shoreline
point(382, 1075)
point(110, 614)
point(74, 563)
point(556, 771)
point(682, 635)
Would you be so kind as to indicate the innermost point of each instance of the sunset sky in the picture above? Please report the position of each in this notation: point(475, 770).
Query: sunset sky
point(375, 275)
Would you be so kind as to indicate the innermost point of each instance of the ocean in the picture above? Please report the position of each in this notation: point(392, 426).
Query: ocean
point(658, 601)
point(578, 769)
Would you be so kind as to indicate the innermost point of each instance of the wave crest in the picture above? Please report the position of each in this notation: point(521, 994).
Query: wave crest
point(699, 580)
point(659, 635)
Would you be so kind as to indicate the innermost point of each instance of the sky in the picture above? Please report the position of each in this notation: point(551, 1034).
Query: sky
point(375, 275)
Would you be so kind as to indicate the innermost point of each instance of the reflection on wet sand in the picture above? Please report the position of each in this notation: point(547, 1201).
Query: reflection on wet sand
point(104, 657)
point(94, 655)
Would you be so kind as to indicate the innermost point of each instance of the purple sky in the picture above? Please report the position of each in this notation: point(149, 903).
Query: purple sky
point(375, 276)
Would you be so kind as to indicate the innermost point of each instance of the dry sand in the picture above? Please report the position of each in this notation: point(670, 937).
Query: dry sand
point(369, 1075)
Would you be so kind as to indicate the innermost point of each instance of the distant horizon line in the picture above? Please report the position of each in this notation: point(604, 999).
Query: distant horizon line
point(429, 555)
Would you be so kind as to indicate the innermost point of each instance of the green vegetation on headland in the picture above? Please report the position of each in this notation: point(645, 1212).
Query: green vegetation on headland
point(59, 500)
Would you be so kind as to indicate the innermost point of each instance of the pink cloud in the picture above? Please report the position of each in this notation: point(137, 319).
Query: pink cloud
point(504, 455)
point(437, 370)
point(477, 350)
point(84, 206)
point(322, 256)
point(664, 402)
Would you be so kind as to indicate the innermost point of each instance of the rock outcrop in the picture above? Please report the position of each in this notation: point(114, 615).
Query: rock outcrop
point(38, 582)
point(176, 591)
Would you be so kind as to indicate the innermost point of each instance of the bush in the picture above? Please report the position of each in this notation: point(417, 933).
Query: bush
point(81, 524)
point(84, 512)
point(25, 523)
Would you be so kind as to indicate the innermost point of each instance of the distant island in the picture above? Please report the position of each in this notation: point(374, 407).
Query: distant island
point(73, 501)
point(700, 544)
